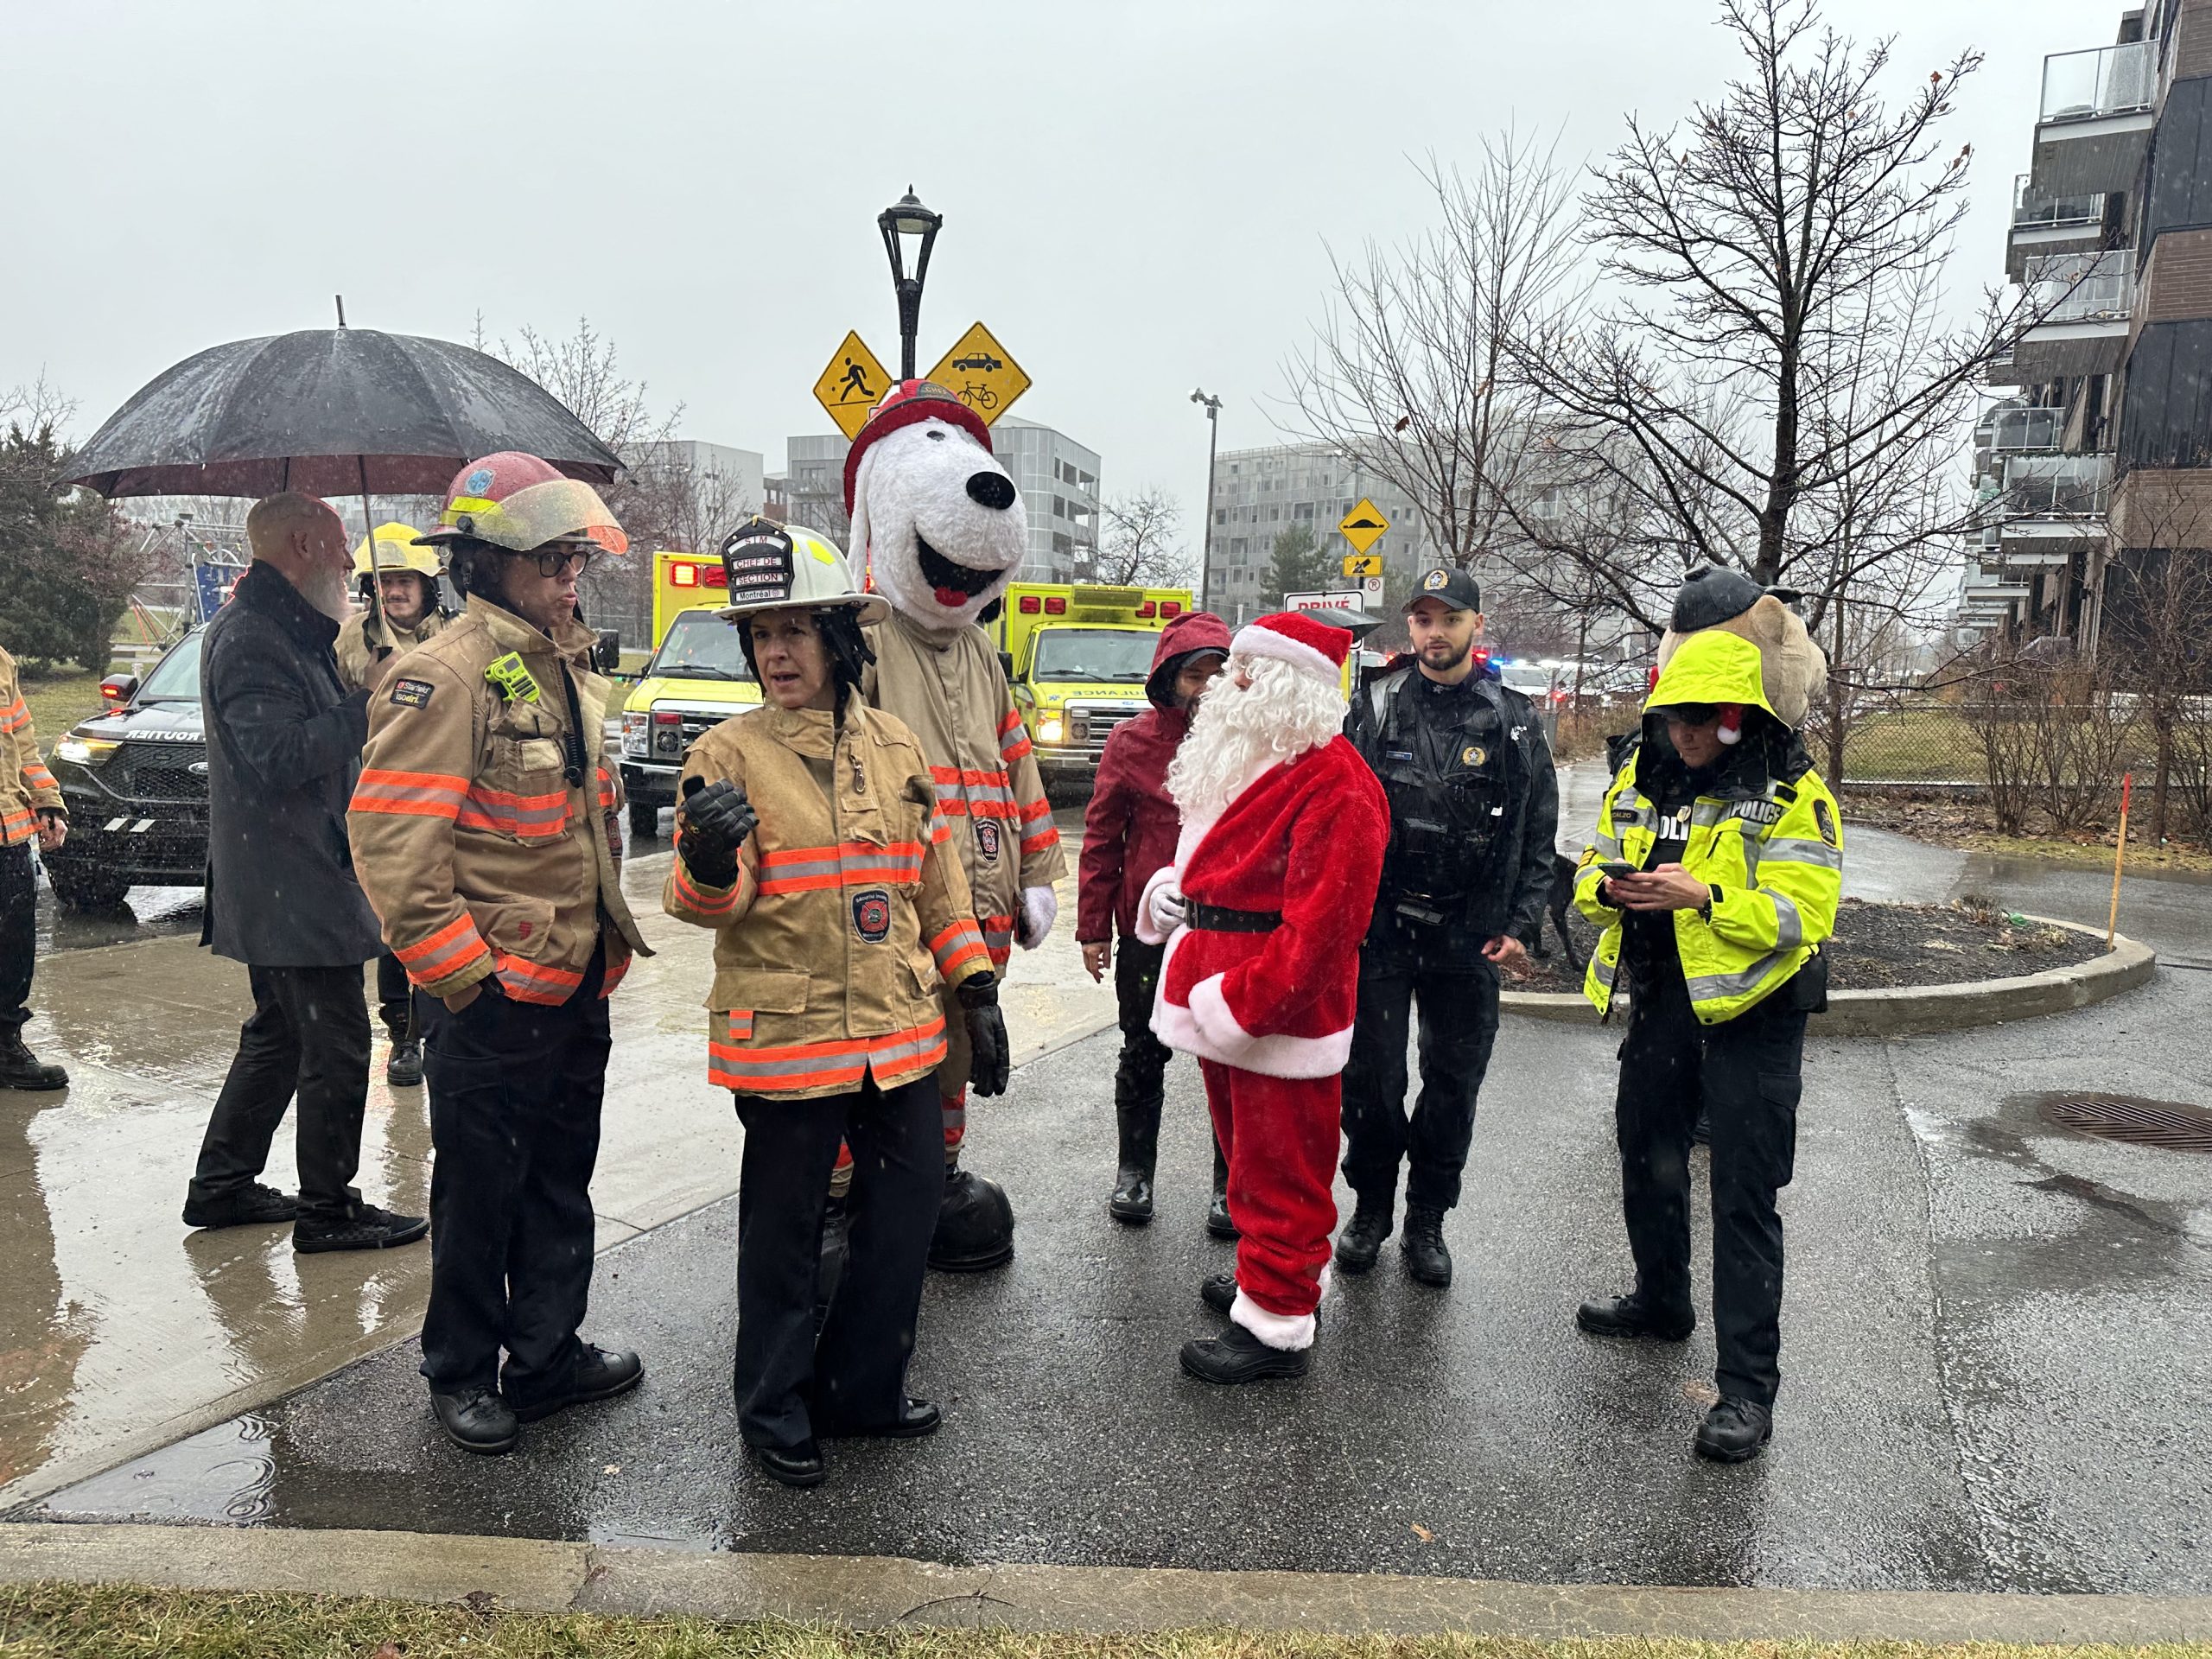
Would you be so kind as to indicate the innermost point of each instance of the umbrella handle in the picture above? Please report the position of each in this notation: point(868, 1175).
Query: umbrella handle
point(369, 524)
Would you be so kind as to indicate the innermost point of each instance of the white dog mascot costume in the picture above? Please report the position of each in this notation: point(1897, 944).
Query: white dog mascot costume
point(942, 530)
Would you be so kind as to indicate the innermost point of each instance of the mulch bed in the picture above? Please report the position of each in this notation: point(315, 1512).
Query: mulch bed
point(1879, 946)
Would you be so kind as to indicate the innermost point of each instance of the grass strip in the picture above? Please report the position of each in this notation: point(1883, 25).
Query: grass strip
point(126, 1621)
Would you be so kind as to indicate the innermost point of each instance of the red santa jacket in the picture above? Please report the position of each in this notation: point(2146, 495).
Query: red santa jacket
point(1305, 839)
point(1130, 830)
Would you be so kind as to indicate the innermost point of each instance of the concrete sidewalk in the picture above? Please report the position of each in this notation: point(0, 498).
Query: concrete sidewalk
point(120, 1329)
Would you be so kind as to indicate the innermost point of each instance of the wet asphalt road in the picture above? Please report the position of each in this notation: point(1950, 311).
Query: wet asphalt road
point(1998, 1368)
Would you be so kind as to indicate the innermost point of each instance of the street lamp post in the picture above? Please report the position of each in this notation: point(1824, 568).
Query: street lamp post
point(1213, 406)
point(906, 218)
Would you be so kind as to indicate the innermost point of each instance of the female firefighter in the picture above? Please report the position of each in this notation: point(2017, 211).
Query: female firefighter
point(808, 837)
point(1715, 871)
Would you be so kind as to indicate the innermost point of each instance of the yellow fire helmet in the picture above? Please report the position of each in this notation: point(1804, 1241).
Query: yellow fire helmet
point(395, 549)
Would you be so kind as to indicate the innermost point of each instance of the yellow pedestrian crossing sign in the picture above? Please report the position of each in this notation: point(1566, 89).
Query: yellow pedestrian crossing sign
point(1363, 564)
point(982, 374)
point(1362, 526)
point(853, 384)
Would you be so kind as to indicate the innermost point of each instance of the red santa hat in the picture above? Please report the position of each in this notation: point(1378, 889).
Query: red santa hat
point(904, 404)
point(1293, 637)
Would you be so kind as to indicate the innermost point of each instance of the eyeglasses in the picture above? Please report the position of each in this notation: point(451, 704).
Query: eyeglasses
point(556, 559)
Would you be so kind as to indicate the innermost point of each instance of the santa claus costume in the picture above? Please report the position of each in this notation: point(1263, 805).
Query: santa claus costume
point(1273, 885)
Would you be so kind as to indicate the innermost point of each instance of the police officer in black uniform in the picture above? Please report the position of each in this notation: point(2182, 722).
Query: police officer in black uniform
point(1474, 812)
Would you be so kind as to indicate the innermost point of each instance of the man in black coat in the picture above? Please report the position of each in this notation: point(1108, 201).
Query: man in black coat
point(284, 749)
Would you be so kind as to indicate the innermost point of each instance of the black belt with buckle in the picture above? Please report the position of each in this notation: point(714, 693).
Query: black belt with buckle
point(1218, 919)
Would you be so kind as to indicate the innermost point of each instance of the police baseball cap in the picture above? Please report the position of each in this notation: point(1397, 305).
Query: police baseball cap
point(1455, 588)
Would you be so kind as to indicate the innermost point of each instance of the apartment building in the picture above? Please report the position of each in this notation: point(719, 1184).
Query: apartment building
point(1057, 476)
point(2102, 458)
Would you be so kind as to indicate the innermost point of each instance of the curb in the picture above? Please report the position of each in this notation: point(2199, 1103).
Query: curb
point(526, 1575)
point(1906, 1010)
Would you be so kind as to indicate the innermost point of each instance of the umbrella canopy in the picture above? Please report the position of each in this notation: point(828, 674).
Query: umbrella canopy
point(331, 412)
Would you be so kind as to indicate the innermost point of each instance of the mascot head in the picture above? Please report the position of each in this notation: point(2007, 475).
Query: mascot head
point(1792, 667)
point(940, 520)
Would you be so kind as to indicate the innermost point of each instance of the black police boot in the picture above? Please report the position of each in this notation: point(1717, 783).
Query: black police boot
point(836, 1235)
point(1422, 1245)
point(599, 1374)
point(476, 1420)
point(1362, 1239)
point(402, 1067)
point(975, 1225)
point(1633, 1318)
point(1218, 1222)
point(1218, 1292)
point(1736, 1430)
point(1138, 1124)
point(21, 1069)
point(1238, 1355)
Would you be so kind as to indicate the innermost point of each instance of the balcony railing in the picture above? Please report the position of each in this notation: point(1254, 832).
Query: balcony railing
point(2104, 80)
point(2083, 287)
point(2049, 486)
point(2039, 213)
point(2020, 431)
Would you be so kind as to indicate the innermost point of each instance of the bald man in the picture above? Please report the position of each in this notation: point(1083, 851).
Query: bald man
point(284, 741)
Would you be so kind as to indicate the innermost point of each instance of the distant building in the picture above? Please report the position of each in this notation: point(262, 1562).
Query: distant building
point(735, 474)
point(1057, 476)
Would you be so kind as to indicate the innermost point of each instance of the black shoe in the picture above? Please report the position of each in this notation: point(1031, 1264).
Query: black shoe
point(1736, 1430)
point(252, 1205)
point(974, 1225)
point(795, 1465)
point(476, 1421)
point(367, 1229)
point(916, 1419)
point(1218, 1292)
point(1132, 1199)
point(1238, 1355)
point(1422, 1245)
point(402, 1067)
point(599, 1376)
point(1217, 1221)
point(1631, 1317)
point(1362, 1239)
point(21, 1069)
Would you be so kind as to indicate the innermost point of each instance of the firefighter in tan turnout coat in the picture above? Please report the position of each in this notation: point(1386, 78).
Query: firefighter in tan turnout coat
point(811, 837)
point(486, 831)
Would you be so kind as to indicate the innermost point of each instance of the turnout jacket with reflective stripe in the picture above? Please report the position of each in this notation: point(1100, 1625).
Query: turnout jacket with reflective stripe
point(363, 647)
point(477, 856)
point(949, 690)
point(848, 913)
point(1769, 843)
point(25, 786)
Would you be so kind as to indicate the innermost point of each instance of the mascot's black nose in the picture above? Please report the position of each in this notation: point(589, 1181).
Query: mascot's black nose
point(993, 490)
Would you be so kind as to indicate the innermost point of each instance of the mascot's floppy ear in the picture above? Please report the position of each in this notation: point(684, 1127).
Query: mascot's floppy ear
point(1792, 667)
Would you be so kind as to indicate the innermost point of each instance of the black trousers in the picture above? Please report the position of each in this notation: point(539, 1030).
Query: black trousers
point(515, 1095)
point(308, 1035)
point(1747, 1075)
point(18, 936)
point(1140, 1079)
point(791, 1384)
point(1459, 1027)
point(395, 995)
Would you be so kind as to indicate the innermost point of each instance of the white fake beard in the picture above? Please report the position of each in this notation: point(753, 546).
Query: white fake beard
point(326, 590)
point(1239, 732)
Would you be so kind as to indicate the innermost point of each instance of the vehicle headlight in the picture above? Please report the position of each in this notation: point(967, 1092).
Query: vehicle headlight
point(85, 751)
point(1049, 729)
point(634, 729)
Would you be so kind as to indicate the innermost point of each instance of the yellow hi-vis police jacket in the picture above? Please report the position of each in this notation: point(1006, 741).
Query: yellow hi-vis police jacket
point(1775, 858)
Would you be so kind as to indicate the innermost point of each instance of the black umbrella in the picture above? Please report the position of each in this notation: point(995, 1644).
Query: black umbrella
point(331, 412)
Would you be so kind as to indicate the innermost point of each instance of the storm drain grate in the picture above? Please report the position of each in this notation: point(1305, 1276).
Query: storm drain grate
point(2170, 1123)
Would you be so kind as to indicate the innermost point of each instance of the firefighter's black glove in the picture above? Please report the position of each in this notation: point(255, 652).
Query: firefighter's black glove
point(713, 821)
point(987, 1043)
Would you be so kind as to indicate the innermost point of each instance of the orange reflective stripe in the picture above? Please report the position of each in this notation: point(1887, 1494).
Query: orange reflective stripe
point(531, 816)
point(530, 982)
point(445, 952)
point(814, 1065)
point(1017, 749)
point(807, 869)
point(1048, 836)
point(444, 782)
point(1009, 720)
point(613, 978)
point(37, 776)
point(970, 776)
point(701, 902)
point(408, 794)
point(1036, 810)
point(15, 716)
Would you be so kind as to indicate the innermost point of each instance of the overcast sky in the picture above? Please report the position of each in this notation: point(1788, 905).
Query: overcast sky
point(1136, 196)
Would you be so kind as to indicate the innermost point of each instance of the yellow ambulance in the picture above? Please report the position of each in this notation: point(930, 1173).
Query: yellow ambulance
point(1077, 657)
point(696, 680)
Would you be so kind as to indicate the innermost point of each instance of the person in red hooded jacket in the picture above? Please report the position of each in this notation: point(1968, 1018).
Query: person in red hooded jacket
point(1128, 835)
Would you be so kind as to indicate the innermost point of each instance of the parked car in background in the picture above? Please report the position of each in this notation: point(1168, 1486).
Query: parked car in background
point(135, 779)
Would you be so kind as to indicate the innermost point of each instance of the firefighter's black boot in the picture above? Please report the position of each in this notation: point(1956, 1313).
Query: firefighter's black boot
point(403, 1066)
point(1422, 1245)
point(1362, 1239)
point(975, 1225)
point(1138, 1122)
point(21, 1069)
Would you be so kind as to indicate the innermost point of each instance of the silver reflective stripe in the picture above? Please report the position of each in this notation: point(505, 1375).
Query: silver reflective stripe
point(1711, 988)
point(1609, 846)
point(1710, 812)
point(1803, 850)
point(1789, 925)
point(1604, 970)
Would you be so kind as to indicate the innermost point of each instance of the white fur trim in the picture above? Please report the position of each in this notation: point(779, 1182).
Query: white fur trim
point(1253, 640)
point(1290, 1333)
point(1040, 908)
point(1207, 1028)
